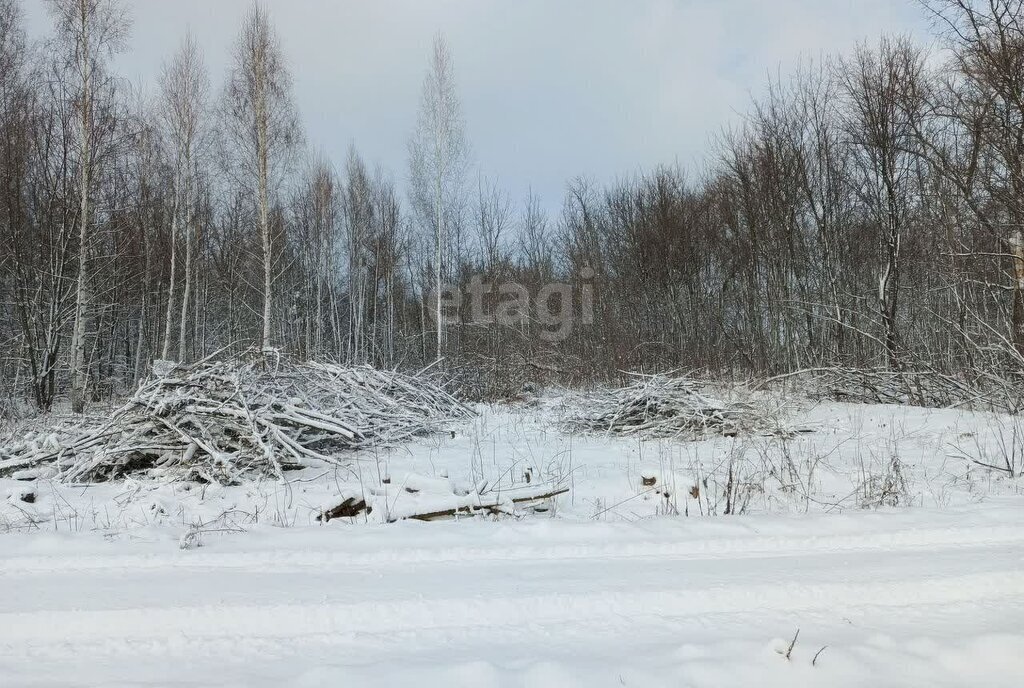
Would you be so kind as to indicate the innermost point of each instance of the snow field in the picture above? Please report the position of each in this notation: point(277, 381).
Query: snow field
point(141, 583)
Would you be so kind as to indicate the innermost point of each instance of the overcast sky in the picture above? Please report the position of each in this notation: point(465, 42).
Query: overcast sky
point(551, 89)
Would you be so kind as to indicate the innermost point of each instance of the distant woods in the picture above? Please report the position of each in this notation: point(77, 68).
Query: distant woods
point(867, 211)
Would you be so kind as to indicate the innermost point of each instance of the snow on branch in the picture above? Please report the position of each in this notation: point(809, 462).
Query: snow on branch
point(217, 421)
point(662, 406)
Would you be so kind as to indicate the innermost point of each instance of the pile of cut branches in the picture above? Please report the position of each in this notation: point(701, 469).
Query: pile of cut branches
point(662, 406)
point(217, 421)
point(928, 388)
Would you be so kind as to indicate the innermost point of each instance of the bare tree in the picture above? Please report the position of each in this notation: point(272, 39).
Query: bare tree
point(866, 209)
point(438, 159)
point(493, 217)
point(534, 240)
point(316, 214)
point(359, 211)
point(88, 31)
point(12, 52)
point(388, 246)
point(18, 117)
point(263, 129)
point(146, 159)
point(822, 176)
point(184, 88)
point(986, 94)
point(884, 95)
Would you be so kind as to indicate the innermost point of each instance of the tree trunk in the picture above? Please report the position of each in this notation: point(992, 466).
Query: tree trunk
point(437, 265)
point(264, 213)
point(165, 352)
point(1017, 251)
point(187, 286)
point(78, 371)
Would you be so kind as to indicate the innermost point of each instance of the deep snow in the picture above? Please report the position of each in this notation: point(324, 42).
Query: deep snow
point(916, 598)
point(157, 585)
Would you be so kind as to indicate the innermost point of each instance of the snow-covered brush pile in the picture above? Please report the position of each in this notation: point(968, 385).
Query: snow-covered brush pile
point(218, 421)
point(979, 389)
point(662, 406)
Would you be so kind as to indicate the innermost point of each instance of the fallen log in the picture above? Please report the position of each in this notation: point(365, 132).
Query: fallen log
point(353, 506)
point(494, 506)
point(473, 503)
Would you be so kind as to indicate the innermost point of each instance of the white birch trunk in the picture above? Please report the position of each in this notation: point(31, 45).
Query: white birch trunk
point(78, 369)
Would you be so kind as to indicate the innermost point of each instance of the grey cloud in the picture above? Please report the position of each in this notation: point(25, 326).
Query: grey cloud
point(551, 89)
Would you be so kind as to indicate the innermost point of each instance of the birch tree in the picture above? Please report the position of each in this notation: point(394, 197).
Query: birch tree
point(88, 32)
point(262, 128)
point(359, 211)
point(184, 89)
point(438, 159)
point(146, 159)
point(388, 248)
point(17, 257)
point(316, 217)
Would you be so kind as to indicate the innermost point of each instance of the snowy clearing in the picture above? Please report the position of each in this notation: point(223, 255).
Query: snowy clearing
point(286, 403)
point(916, 598)
point(915, 581)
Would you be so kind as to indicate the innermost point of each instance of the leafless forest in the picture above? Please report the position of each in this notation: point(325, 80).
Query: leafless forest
point(867, 213)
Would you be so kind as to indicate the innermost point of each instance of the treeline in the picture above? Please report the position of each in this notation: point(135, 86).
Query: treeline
point(868, 211)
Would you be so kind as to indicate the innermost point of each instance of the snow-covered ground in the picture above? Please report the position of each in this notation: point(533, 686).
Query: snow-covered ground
point(875, 533)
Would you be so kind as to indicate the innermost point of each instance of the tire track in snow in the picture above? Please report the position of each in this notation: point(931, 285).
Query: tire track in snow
point(285, 560)
point(67, 629)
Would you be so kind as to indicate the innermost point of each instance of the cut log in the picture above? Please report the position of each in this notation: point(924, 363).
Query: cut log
point(353, 506)
point(487, 504)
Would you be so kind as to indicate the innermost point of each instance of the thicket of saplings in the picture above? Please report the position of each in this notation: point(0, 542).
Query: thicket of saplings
point(863, 224)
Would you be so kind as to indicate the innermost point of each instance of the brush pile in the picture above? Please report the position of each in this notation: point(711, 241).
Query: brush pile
point(879, 386)
point(928, 388)
point(218, 421)
point(663, 406)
